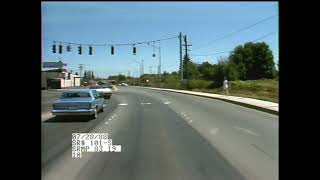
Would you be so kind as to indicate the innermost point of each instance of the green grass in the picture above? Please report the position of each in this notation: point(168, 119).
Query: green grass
point(264, 89)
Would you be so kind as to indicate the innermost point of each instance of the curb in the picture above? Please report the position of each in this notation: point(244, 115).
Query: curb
point(274, 112)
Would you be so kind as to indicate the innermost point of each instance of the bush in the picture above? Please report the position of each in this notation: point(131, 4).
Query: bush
point(255, 85)
point(198, 84)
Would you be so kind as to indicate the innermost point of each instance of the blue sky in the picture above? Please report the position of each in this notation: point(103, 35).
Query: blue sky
point(130, 22)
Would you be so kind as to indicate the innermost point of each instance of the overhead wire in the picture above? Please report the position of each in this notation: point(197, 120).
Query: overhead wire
point(264, 36)
point(237, 31)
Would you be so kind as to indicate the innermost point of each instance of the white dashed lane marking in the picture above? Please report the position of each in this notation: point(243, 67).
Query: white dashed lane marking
point(145, 103)
point(123, 104)
point(246, 131)
point(214, 131)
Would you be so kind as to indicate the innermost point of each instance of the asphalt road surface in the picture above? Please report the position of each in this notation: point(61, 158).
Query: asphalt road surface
point(164, 135)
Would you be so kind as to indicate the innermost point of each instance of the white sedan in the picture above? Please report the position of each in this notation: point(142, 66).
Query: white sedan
point(104, 90)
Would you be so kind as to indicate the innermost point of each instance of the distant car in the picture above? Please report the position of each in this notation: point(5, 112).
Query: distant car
point(83, 102)
point(104, 90)
point(123, 84)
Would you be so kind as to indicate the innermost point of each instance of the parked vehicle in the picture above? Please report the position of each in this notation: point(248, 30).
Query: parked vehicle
point(86, 102)
point(104, 90)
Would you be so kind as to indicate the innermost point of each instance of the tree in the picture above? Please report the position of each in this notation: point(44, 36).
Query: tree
point(190, 70)
point(85, 74)
point(253, 61)
point(88, 75)
point(92, 76)
point(113, 78)
point(219, 73)
point(232, 72)
point(206, 70)
point(174, 73)
point(121, 77)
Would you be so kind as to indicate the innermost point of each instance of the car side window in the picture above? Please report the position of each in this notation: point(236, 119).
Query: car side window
point(95, 95)
point(98, 94)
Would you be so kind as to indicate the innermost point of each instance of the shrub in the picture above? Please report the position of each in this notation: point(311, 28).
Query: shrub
point(198, 84)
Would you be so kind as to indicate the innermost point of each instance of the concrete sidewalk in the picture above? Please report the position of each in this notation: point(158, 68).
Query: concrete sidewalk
point(261, 105)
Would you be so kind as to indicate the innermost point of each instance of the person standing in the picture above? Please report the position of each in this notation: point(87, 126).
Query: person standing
point(226, 86)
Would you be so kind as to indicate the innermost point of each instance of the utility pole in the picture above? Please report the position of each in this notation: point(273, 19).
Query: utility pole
point(142, 68)
point(186, 53)
point(159, 59)
point(181, 63)
point(80, 68)
point(129, 73)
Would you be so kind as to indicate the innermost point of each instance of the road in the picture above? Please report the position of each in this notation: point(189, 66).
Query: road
point(165, 135)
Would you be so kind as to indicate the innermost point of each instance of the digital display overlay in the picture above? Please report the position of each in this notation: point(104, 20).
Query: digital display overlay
point(92, 142)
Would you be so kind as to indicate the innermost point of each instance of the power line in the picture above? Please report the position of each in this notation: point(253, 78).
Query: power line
point(122, 44)
point(210, 54)
point(231, 51)
point(239, 30)
point(263, 36)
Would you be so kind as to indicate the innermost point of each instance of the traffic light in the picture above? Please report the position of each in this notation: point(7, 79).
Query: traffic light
point(68, 48)
point(112, 50)
point(90, 50)
point(134, 50)
point(60, 49)
point(54, 50)
point(79, 50)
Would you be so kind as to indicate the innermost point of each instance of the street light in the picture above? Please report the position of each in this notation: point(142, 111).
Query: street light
point(159, 48)
point(140, 64)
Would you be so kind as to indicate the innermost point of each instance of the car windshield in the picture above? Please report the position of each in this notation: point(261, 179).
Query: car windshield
point(95, 87)
point(75, 94)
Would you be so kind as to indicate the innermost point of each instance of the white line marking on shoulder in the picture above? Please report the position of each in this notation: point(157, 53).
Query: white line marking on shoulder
point(123, 104)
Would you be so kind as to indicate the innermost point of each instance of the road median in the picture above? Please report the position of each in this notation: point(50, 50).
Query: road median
point(265, 106)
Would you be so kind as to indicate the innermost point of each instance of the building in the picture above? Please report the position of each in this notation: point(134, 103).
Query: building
point(59, 78)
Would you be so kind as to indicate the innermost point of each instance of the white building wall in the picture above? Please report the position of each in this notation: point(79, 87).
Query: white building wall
point(77, 81)
point(65, 82)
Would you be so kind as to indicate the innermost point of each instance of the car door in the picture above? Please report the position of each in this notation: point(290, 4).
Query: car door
point(97, 98)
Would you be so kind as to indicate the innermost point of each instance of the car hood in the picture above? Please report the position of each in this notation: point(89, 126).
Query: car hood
point(74, 100)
